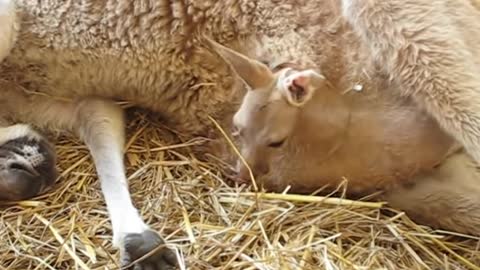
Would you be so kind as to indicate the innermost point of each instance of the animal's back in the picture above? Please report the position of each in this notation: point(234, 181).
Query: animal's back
point(139, 51)
point(146, 52)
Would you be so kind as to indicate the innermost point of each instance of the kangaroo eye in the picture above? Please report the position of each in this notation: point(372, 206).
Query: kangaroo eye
point(276, 144)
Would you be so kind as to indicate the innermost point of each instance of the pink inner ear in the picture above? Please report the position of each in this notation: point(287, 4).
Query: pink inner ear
point(296, 89)
point(301, 81)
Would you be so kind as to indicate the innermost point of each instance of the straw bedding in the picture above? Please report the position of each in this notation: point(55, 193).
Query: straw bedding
point(211, 224)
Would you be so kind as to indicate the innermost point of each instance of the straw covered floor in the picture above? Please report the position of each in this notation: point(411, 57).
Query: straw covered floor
point(212, 224)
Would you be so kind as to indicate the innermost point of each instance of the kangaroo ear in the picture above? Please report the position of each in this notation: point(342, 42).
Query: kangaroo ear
point(299, 87)
point(254, 73)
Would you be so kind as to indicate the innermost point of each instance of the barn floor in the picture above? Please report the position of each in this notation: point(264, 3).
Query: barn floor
point(211, 224)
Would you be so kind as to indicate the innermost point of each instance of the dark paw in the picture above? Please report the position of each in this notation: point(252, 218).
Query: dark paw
point(137, 245)
point(27, 168)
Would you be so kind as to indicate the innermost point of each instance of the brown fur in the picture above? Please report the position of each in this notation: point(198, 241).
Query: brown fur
point(447, 197)
point(337, 135)
point(146, 52)
point(76, 57)
point(380, 138)
point(417, 74)
point(431, 50)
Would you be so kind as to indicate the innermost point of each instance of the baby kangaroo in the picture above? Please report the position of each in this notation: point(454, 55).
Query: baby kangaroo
point(295, 129)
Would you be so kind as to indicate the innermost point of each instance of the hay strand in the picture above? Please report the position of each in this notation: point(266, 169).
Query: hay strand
point(210, 224)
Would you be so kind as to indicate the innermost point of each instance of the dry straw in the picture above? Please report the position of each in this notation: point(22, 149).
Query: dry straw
point(211, 224)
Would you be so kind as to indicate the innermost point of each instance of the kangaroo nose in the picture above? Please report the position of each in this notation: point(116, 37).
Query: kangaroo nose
point(243, 175)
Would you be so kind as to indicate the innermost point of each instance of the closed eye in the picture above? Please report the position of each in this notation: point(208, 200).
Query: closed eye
point(276, 144)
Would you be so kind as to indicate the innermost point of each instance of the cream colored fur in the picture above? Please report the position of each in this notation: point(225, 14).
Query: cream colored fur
point(446, 198)
point(431, 49)
point(378, 137)
point(76, 57)
point(8, 27)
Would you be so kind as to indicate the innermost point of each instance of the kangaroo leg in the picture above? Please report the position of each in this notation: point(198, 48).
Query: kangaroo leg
point(447, 198)
point(100, 125)
point(431, 50)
